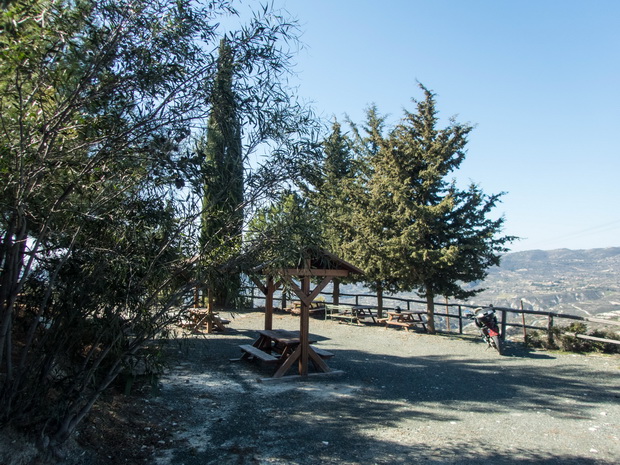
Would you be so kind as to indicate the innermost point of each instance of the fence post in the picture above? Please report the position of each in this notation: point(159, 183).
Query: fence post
point(447, 316)
point(523, 323)
point(284, 298)
point(550, 330)
point(460, 320)
point(503, 330)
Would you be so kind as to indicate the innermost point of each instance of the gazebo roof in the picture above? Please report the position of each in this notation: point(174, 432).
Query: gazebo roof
point(317, 263)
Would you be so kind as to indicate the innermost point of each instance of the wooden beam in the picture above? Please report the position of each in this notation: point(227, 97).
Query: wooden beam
point(592, 338)
point(259, 284)
point(317, 290)
point(288, 363)
point(312, 272)
point(298, 292)
point(318, 361)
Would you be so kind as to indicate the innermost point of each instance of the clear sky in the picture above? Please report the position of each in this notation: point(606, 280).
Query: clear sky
point(539, 79)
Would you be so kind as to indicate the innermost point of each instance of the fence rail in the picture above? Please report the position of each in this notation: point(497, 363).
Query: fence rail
point(445, 319)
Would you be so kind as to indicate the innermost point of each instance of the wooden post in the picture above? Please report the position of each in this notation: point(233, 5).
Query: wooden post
point(269, 303)
point(550, 330)
point(379, 301)
point(447, 315)
point(304, 328)
point(523, 324)
point(503, 330)
point(210, 311)
point(336, 292)
point(284, 298)
point(460, 320)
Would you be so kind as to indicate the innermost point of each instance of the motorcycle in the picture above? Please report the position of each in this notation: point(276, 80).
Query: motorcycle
point(486, 320)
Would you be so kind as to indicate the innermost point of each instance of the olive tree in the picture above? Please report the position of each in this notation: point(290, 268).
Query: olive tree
point(100, 200)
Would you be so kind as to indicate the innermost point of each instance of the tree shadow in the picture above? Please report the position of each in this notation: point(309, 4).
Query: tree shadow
point(333, 420)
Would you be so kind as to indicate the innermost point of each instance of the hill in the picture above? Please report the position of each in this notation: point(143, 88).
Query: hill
point(578, 282)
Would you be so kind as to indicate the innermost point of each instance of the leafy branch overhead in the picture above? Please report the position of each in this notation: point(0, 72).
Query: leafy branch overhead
point(101, 198)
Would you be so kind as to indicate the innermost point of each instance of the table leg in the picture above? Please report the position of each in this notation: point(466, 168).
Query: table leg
point(318, 362)
point(288, 363)
point(263, 343)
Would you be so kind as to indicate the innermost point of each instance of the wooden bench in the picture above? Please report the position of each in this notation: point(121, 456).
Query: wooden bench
point(406, 319)
point(200, 316)
point(400, 323)
point(322, 352)
point(351, 318)
point(219, 323)
point(315, 307)
point(340, 312)
point(257, 353)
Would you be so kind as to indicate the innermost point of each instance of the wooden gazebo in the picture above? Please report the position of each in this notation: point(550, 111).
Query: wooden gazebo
point(323, 266)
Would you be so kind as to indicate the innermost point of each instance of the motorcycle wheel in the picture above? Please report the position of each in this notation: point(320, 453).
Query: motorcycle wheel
point(495, 341)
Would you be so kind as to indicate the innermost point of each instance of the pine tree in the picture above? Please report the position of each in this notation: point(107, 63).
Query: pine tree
point(222, 217)
point(362, 223)
point(442, 237)
point(414, 229)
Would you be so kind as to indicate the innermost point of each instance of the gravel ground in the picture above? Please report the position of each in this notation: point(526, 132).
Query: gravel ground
point(403, 398)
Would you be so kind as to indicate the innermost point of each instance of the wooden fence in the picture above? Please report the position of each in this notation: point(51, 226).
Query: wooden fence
point(449, 316)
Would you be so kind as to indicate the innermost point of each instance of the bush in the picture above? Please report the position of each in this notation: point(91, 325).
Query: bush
point(606, 347)
point(563, 338)
point(538, 339)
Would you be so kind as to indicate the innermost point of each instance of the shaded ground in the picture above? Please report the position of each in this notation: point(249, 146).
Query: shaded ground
point(404, 397)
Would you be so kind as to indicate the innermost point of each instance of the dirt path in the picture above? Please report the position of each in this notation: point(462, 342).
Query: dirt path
point(403, 398)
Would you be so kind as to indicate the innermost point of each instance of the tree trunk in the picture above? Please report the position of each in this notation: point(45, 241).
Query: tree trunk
point(379, 301)
point(430, 311)
point(336, 292)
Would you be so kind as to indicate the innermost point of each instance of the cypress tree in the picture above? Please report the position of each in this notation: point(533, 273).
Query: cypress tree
point(330, 195)
point(222, 217)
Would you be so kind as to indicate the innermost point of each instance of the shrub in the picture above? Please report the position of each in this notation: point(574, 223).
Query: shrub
point(606, 347)
point(563, 338)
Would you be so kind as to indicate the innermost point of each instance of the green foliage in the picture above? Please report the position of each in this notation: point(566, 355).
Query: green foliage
point(222, 204)
point(410, 227)
point(563, 338)
point(100, 201)
point(282, 234)
point(329, 195)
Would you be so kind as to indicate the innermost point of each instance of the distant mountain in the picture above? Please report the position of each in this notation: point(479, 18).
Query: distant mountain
point(578, 282)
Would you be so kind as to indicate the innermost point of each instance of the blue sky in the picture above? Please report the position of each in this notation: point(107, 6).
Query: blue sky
point(539, 79)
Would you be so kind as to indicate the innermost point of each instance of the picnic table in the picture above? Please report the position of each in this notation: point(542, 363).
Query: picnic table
point(365, 311)
point(349, 313)
point(201, 316)
point(282, 347)
point(340, 312)
point(315, 307)
point(409, 319)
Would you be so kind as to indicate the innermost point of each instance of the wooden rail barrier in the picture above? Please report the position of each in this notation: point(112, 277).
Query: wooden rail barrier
point(550, 317)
